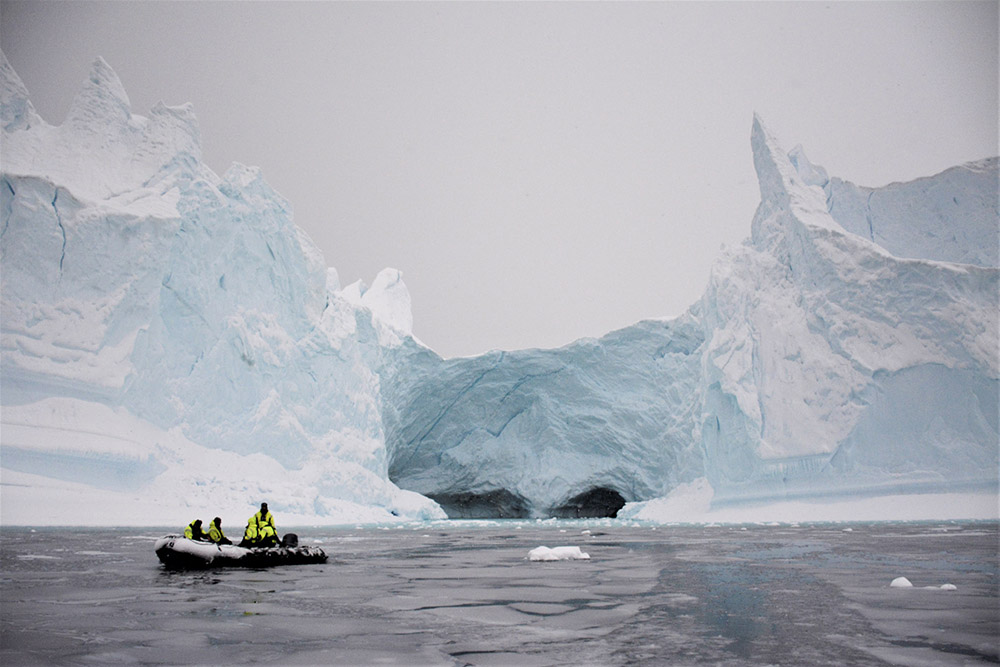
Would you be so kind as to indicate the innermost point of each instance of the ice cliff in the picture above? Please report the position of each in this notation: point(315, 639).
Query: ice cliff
point(171, 343)
point(836, 367)
point(840, 351)
point(548, 432)
point(136, 283)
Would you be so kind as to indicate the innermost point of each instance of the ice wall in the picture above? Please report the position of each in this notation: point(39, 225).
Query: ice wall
point(542, 432)
point(818, 364)
point(951, 217)
point(170, 342)
point(135, 278)
point(835, 367)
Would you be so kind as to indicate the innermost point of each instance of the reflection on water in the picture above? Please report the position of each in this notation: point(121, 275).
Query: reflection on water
point(735, 603)
point(465, 593)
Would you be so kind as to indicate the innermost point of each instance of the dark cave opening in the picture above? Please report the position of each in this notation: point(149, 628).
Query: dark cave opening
point(594, 503)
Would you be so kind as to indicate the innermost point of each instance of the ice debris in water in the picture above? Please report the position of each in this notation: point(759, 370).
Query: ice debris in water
point(903, 582)
point(557, 553)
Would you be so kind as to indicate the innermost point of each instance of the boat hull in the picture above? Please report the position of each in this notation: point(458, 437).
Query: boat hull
point(180, 553)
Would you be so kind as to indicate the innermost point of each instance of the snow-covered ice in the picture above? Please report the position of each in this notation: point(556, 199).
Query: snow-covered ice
point(818, 368)
point(557, 553)
point(172, 345)
point(903, 582)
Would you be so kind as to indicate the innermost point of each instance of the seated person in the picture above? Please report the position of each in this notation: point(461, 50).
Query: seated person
point(194, 532)
point(251, 534)
point(268, 538)
point(215, 533)
point(265, 518)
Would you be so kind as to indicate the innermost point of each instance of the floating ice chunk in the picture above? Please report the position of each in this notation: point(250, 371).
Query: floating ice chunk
point(901, 582)
point(557, 553)
point(942, 587)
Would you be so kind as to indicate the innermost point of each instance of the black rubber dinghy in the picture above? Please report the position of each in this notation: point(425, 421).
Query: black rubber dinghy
point(180, 553)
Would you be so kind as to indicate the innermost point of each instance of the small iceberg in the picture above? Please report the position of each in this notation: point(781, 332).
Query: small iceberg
point(557, 553)
point(903, 582)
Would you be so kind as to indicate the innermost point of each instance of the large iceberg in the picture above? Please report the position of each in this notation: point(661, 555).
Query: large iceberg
point(172, 344)
point(818, 364)
point(836, 367)
point(143, 293)
point(575, 431)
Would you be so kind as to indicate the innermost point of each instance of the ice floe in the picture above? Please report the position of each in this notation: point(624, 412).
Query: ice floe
point(557, 553)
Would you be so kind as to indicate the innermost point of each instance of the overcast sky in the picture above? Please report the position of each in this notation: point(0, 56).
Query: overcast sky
point(539, 172)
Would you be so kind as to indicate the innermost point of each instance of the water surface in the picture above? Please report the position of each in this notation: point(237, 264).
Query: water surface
point(464, 593)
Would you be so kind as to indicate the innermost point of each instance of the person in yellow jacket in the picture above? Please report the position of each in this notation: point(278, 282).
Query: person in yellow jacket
point(267, 536)
point(194, 531)
point(267, 532)
point(250, 534)
point(265, 518)
point(215, 533)
point(260, 530)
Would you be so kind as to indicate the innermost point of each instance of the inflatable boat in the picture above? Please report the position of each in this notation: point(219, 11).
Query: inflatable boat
point(180, 553)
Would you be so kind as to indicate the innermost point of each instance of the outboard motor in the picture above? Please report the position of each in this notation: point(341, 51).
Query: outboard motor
point(290, 540)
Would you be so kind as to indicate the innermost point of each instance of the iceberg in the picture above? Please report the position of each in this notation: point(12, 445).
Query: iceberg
point(817, 365)
point(557, 553)
point(576, 431)
point(172, 344)
point(142, 293)
point(836, 367)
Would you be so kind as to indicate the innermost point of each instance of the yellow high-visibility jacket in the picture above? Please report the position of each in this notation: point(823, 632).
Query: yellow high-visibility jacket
point(192, 534)
point(250, 534)
point(215, 533)
point(266, 519)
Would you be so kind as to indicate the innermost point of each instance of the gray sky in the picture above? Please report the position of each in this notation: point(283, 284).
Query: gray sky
point(540, 172)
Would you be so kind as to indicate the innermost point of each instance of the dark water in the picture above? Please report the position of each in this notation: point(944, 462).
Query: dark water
point(465, 594)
